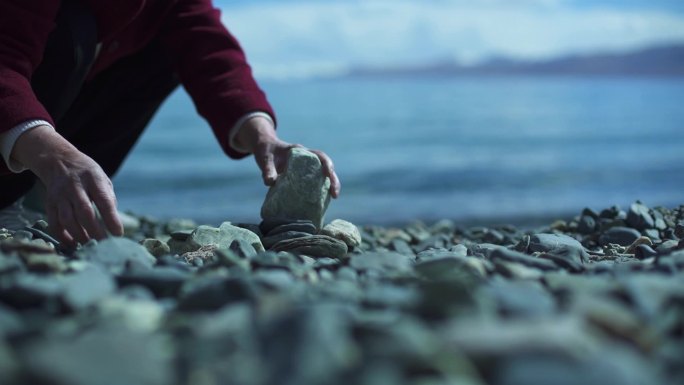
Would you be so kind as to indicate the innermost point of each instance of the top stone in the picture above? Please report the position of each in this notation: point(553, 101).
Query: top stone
point(301, 192)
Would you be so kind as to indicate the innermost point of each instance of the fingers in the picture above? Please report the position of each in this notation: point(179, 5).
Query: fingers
point(85, 215)
point(67, 219)
point(329, 170)
point(102, 194)
point(266, 163)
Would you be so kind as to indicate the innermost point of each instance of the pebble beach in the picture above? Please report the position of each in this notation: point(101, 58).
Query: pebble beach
point(596, 299)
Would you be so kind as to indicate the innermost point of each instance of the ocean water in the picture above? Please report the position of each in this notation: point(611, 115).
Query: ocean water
point(468, 149)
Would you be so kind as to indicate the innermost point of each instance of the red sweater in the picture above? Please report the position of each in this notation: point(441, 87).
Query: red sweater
point(211, 65)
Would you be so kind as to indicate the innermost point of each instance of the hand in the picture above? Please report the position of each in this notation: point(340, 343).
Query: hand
point(258, 136)
point(73, 182)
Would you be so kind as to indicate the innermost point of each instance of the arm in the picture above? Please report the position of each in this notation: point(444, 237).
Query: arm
point(72, 179)
point(214, 70)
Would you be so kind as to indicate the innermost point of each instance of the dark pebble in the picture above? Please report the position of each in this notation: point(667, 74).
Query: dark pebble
point(644, 251)
point(623, 236)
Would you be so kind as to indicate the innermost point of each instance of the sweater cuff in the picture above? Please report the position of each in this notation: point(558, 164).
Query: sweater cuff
point(238, 126)
point(8, 140)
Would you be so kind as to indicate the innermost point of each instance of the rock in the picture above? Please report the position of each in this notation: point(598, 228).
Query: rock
point(210, 294)
point(100, 357)
point(314, 246)
point(514, 256)
point(623, 236)
point(301, 192)
point(559, 245)
point(640, 241)
point(586, 224)
point(86, 288)
point(242, 249)
point(301, 226)
point(10, 323)
point(445, 268)
point(176, 225)
point(27, 291)
point(162, 281)
point(156, 247)
point(345, 231)
point(272, 226)
point(639, 218)
point(520, 299)
point(679, 230)
point(644, 251)
point(271, 240)
point(221, 237)
point(44, 263)
point(130, 223)
point(382, 262)
point(115, 253)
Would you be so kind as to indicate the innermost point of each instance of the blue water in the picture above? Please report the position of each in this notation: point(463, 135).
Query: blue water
point(405, 149)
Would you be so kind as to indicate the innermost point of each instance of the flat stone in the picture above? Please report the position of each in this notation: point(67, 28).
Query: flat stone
point(179, 224)
point(299, 226)
point(221, 237)
point(514, 256)
point(345, 231)
point(314, 246)
point(639, 218)
point(156, 247)
point(301, 191)
point(623, 236)
point(242, 249)
point(115, 253)
point(271, 240)
point(559, 245)
point(269, 225)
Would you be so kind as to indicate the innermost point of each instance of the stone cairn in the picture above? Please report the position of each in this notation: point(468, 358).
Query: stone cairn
point(597, 299)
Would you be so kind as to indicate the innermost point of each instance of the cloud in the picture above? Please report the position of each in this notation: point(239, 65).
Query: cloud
point(286, 39)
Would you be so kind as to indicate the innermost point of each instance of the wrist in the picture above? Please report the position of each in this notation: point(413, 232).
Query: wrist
point(255, 131)
point(40, 150)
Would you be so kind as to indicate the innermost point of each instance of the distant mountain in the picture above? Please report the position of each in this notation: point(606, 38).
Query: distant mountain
point(653, 61)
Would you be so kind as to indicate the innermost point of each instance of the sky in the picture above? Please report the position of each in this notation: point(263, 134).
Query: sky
point(301, 38)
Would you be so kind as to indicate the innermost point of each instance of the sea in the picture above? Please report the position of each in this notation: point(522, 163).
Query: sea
point(481, 150)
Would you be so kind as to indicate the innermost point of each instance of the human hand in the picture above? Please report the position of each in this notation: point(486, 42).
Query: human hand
point(258, 136)
point(73, 181)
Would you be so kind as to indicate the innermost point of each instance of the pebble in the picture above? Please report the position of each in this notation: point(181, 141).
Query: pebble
point(623, 236)
point(345, 231)
point(501, 306)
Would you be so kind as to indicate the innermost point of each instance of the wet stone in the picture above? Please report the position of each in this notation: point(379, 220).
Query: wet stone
point(301, 226)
